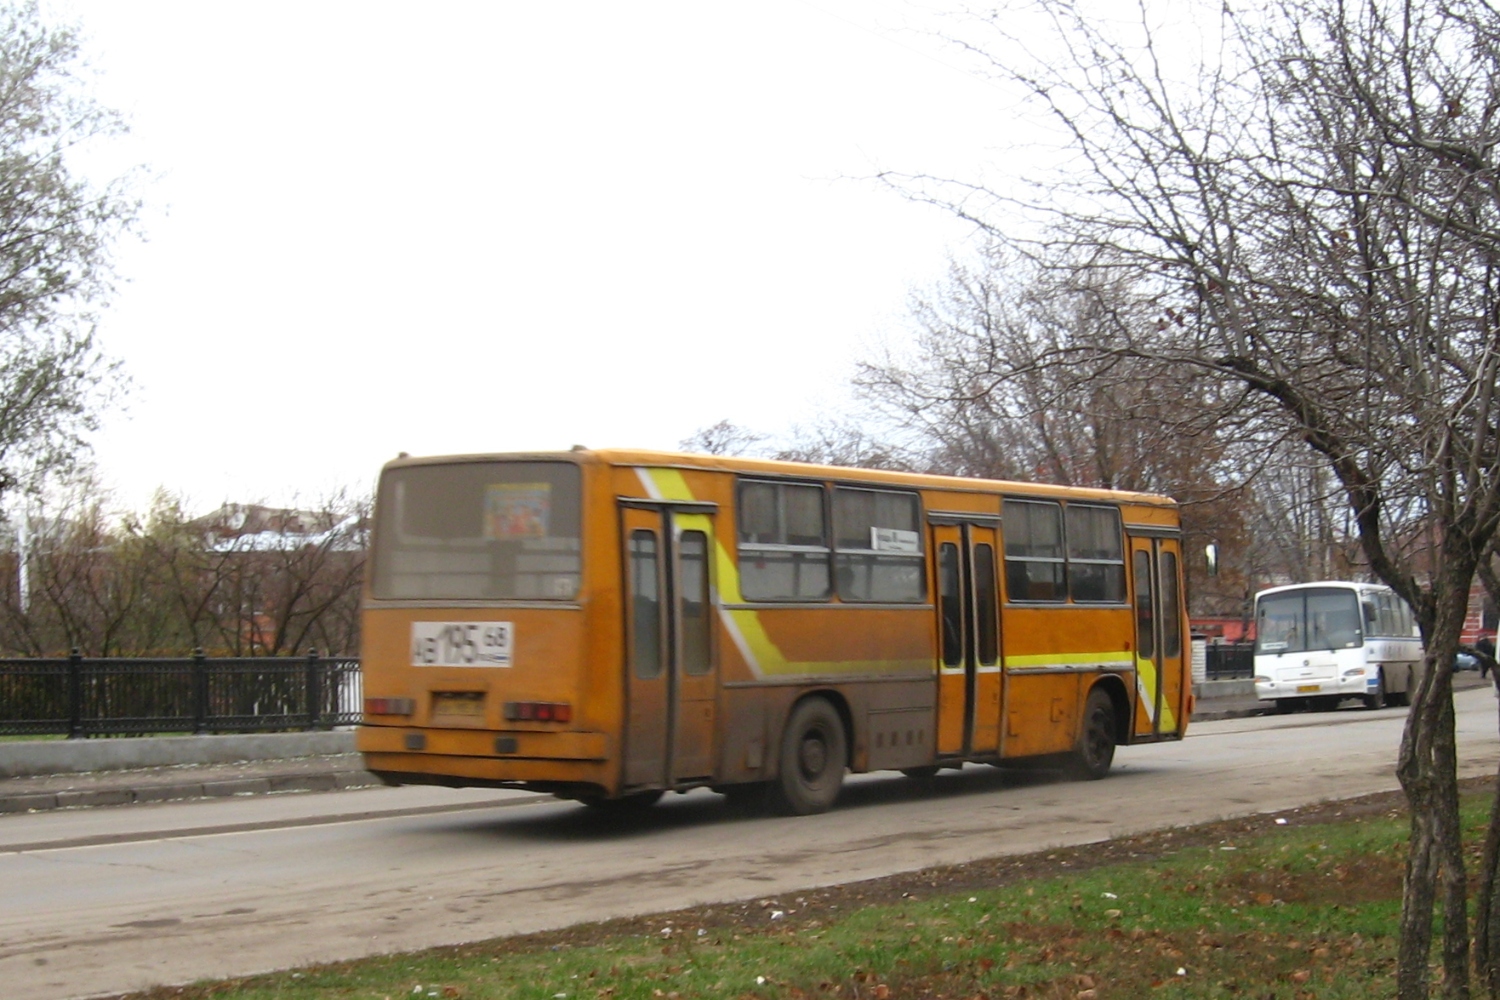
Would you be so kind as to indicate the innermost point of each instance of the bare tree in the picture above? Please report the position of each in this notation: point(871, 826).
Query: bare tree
point(247, 580)
point(1313, 208)
point(722, 438)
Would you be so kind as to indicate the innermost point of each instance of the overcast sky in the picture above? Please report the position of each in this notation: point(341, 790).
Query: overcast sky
point(485, 226)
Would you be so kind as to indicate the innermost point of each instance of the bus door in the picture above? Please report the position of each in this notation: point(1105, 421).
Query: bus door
point(671, 681)
point(968, 652)
point(1156, 584)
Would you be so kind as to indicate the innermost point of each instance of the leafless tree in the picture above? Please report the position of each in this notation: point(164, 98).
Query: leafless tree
point(1312, 209)
point(722, 438)
point(247, 580)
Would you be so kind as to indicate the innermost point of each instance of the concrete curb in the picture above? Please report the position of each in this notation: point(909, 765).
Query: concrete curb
point(40, 757)
point(140, 787)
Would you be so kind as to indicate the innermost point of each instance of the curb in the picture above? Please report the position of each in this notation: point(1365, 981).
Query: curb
point(179, 782)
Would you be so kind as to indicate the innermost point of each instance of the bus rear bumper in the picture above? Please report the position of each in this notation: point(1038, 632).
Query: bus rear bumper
point(505, 744)
point(544, 761)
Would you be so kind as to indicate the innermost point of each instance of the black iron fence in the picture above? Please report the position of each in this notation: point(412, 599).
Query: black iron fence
point(84, 696)
point(1230, 660)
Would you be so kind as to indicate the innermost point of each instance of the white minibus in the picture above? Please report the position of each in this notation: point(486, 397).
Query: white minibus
point(1319, 643)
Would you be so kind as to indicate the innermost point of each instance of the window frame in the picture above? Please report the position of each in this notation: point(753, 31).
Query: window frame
point(1062, 560)
point(1065, 597)
point(917, 558)
point(1090, 561)
point(744, 549)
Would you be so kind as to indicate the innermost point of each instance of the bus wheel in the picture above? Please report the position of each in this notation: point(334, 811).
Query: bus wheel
point(812, 759)
point(922, 773)
point(1377, 700)
point(1096, 744)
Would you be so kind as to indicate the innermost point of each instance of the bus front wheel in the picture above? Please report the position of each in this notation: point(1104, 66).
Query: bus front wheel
point(1377, 698)
point(1096, 743)
point(813, 754)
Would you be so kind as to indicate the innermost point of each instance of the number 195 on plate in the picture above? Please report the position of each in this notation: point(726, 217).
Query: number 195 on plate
point(462, 644)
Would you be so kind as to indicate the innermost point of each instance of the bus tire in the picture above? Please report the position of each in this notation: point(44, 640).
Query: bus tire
point(1378, 699)
point(1096, 738)
point(813, 754)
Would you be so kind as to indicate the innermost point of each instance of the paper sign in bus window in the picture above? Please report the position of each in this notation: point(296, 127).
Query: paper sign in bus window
point(516, 510)
point(895, 540)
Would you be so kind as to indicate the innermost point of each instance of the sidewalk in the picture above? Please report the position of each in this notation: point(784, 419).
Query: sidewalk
point(281, 763)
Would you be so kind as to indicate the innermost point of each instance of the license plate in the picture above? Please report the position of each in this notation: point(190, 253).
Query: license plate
point(462, 644)
point(466, 706)
point(1306, 688)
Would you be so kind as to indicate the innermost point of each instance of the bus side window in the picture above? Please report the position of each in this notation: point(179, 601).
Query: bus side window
point(645, 596)
point(1035, 568)
point(950, 603)
point(694, 597)
point(1145, 626)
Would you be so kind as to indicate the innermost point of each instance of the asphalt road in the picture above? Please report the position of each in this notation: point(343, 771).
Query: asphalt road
point(109, 900)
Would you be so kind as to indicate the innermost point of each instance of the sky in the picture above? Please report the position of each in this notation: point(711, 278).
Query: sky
point(483, 226)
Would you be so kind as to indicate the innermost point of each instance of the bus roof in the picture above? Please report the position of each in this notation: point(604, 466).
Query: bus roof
point(772, 467)
point(1344, 584)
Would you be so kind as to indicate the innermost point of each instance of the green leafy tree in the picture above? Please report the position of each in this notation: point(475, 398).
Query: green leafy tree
point(58, 230)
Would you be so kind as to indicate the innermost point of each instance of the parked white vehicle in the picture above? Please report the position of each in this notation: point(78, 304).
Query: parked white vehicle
point(1319, 643)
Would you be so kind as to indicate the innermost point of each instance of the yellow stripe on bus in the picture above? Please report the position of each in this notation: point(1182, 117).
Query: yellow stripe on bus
point(1111, 658)
point(1145, 681)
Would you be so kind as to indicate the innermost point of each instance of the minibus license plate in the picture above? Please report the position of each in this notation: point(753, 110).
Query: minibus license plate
point(1304, 688)
point(462, 644)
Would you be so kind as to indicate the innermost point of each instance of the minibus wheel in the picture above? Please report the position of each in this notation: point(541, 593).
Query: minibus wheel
point(813, 754)
point(1377, 700)
point(1096, 741)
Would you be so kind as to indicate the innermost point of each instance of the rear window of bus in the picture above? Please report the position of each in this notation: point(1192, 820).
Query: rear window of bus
point(478, 531)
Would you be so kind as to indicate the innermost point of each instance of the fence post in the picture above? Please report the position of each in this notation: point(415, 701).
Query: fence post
point(200, 691)
point(75, 694)
point(314, 689)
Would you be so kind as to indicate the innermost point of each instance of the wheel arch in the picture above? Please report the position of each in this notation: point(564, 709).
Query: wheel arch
point(840, 705)
point(1119, 698)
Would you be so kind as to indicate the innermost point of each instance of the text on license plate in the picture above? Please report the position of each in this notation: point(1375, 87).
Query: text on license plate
point(462, 644)
point(1304, 688)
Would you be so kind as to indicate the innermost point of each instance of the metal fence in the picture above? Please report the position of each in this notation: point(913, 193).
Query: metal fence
point(81, 696)
point(1230, 660)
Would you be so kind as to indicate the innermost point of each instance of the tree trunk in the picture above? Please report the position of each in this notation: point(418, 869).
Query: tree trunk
point(1428, 770)
point(1487, 902)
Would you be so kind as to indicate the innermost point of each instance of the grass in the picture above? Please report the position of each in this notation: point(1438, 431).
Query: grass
point(1266, 908)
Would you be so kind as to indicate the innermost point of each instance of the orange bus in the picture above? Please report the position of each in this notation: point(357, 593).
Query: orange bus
point(610, 625)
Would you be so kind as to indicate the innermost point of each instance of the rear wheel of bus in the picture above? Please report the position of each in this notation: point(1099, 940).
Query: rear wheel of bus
point(813, 755)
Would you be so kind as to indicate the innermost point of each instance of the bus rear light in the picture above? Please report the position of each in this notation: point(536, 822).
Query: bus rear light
point(538, 711)
point(390, 706)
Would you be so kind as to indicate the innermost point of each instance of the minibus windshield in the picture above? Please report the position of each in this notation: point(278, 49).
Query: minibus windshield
point(1307, 619)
